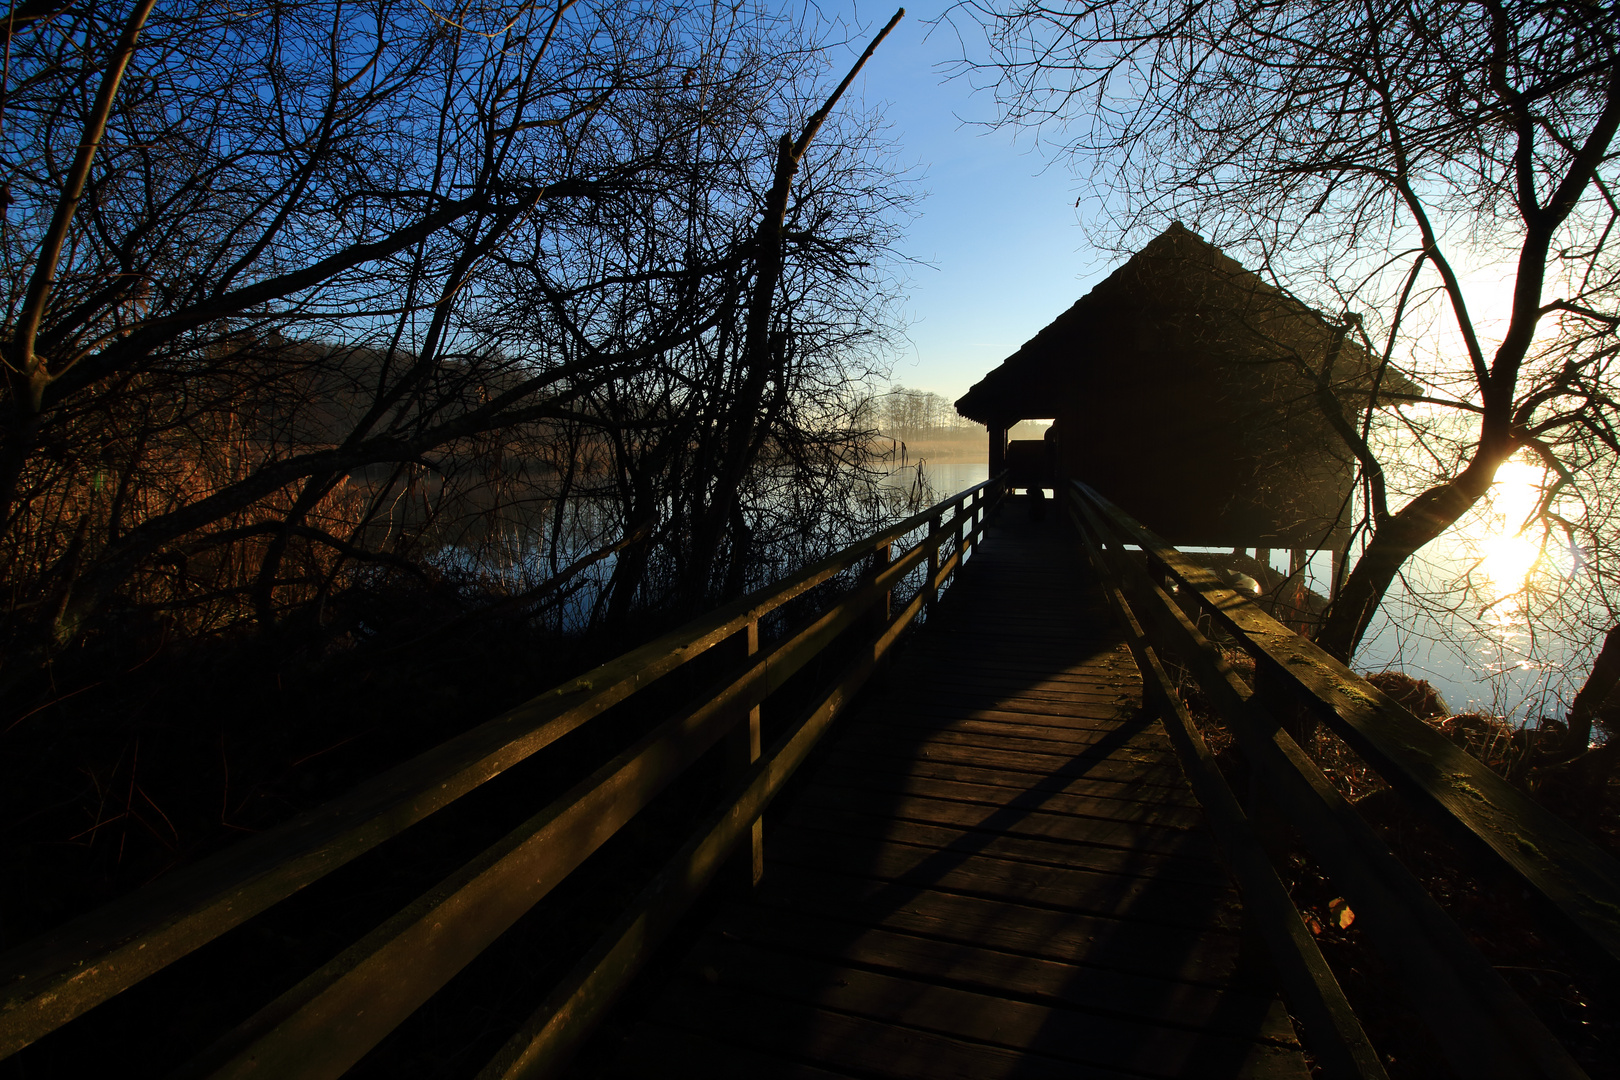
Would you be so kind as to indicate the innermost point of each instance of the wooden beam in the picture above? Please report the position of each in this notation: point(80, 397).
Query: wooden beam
point(1335, 1036)
point(1568, 872)
point(53, 979)
point(1483, 1028)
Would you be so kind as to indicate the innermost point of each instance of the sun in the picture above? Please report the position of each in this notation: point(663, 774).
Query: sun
point(1508, 562)
point(1509, 555)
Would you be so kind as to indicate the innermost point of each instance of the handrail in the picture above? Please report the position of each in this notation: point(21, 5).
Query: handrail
point(47, 983)
point(1481, 1025)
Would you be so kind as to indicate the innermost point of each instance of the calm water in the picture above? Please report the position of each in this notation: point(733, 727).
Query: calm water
point(943, 480)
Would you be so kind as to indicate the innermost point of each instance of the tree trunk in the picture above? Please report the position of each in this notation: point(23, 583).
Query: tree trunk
point(1395, 541)
point(759, 351)
point(1599, 684)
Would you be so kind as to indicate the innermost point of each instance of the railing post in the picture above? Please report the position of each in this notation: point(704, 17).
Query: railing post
point(935, 525)
point(882, 610)
point(747, 866)
point(1291, 713)
point(965, 543)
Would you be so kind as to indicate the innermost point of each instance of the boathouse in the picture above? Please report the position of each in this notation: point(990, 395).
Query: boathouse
point(1189, 391)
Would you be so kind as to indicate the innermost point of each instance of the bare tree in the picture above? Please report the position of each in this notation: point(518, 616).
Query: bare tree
point(289, 290)
point(1370, 157)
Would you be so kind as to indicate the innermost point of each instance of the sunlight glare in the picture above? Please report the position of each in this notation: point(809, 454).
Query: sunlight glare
point(1508, 560)
point(1510, 555)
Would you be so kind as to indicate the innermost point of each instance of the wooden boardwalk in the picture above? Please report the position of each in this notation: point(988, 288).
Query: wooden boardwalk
point(996, 869)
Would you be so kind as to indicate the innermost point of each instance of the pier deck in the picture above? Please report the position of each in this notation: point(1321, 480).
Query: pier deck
point(995, 869)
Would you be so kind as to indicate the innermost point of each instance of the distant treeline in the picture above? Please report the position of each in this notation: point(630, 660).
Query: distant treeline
point(922, 416)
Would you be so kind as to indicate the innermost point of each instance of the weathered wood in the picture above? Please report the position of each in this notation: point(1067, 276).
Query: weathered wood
point(1072, 798)
point(1085, 1039)
point(838, 1041)
point(547, 1041)
point(1569, 872)
point(955, 881)
point(1159, 828)
point(1206, 955)
point(1068, 888)
point(1482, 1027)
point(1014, 739)
point(1341, 1046)
point(720, 1061)
point(1126, 784)
point(991, 692)
point(1102, 1035)
point(329, 1020)
point(981, 727)
point(1122, 765)
point(742, 751)
point(1069, 981)
point(1117, 849)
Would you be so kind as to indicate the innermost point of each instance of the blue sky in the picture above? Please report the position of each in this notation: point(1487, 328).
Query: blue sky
point(997, 229)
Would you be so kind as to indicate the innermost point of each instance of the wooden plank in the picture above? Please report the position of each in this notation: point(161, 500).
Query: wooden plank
point(1022, 673)
point(1062, 888)
point(1076, 732)
point(1203, 954)
point(1568, 871)
point(995, 971)
point(937, 735)
point(1339, 1043)
point(865, 1047)
point(913, 967)
point(1126, 783)
point(330, 1019)
point(1122, 762)
point(1081, 690)
point(546, 1042)
point(1483, 1028)
point(655, 1051)
point(1185, 856)
point(1085, 1039)
point(986, 695)
point(1096, 724)
point(1118, 709)
point(861, 812)
point(1167, 813)
point(973, 888)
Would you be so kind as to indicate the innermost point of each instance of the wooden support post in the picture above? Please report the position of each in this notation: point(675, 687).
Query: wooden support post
point(931, 586)
point(747, 866)
point(998, 449)
point(972, 522)
point(883, 558)
point(1298, 721)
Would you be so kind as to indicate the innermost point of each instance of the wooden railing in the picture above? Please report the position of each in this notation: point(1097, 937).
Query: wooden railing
point(328, 1021)
point(1481, 1026)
